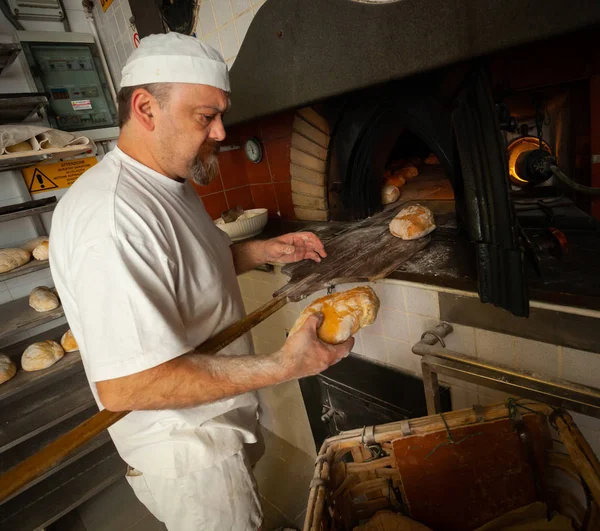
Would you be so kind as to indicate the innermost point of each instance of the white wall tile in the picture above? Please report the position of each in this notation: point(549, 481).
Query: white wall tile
point(417, 324)
point(3, 286)
point(239, 6)
point(246, 287)
point(36, 278)
point(461, 340)
point(358, 345)
point(495, 347)
point(263, 291)
point(489, 397)
point(463, 398)
point(77, 20)
point(222, 11)
point(535, 356)
point(5, 296)
point(422, 302)
point(390, 295)
point(242, 23)
point(582, 367)
point(214, 41)
point(282, 411)
point(373, 346)
point(229, 40)
point(206, 21)
point(395, 324)
point(399, 354)
point(250, 305)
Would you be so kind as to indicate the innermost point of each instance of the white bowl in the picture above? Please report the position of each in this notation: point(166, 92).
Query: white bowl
point(245, 228)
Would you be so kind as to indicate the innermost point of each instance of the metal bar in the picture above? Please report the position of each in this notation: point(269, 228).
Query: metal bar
point(432, 388)
point(585, 400)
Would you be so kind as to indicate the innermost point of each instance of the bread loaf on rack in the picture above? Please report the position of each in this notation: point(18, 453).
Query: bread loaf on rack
point(67, 342)
point(7, 368)
point(32, 244)
point(42, 299)
point(12, 258)
point(344, 314)
point(42, 355)
point(41, 251)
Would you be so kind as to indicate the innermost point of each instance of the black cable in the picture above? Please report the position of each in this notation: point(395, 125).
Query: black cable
point(10, 15)
point(589, 190)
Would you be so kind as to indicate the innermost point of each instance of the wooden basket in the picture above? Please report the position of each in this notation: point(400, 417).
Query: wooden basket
point(497, 458)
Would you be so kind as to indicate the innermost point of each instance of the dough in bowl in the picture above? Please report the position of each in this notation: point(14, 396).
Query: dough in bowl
point(413, 222)
point(7, 368)
point(42, 299)
point(42, 355)
point(344, 314)
point(12, 258)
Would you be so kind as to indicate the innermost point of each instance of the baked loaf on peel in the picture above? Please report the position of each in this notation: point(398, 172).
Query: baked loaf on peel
point(413, 222)
point(344, 314)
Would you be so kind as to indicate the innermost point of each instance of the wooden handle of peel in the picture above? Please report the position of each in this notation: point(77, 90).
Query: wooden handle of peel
point(36, 465)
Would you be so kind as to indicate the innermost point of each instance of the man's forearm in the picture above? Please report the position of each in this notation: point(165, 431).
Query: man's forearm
point(247, 255)
point(191, 380)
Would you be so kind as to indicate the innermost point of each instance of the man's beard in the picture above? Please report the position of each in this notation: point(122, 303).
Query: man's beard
point(205, 166)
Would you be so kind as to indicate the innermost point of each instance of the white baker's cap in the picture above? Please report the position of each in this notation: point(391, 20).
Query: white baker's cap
point(175, 58)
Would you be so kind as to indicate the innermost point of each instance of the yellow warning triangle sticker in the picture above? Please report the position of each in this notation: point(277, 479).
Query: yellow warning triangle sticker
point(40, 182)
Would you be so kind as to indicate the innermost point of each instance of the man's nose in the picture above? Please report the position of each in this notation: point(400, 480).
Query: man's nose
point(217, 131)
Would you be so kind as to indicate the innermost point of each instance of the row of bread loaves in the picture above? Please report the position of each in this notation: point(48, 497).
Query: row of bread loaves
point(14, 257)
point(38, 356)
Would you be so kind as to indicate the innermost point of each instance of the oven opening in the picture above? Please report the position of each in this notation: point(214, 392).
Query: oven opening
point(413, 172)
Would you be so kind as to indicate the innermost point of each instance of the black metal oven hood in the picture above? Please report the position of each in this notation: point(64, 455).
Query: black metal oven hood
point(298, 52)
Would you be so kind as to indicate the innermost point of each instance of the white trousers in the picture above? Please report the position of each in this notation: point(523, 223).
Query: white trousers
point(220, 498)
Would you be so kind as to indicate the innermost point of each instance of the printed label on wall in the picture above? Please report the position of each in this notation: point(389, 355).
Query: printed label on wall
point(105, 4)
point(63, 174)
point(81, 105)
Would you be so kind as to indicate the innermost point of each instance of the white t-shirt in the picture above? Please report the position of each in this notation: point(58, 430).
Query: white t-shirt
point(144, 276)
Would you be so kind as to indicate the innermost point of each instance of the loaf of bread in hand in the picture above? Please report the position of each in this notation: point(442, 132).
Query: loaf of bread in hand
point(7, 368)
point(344, 314)
point(413, 222)
point(67, 342)
point(42, 355)
point(42, 299)
point(12, 258)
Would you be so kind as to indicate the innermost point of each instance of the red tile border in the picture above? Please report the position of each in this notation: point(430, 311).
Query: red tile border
point(283, 192)
point(233, 169)
point(278, 154)
point(240, 196)
point(264, 197)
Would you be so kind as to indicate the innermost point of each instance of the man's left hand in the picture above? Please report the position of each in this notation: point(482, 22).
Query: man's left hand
point(294, 247)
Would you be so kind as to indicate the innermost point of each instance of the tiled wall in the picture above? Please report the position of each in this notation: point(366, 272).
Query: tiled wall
point(406, 312)
point(263, 185)
point(116, 34)
point(222, 24)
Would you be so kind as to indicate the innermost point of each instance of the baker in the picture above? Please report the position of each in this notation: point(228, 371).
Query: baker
point(145, 276)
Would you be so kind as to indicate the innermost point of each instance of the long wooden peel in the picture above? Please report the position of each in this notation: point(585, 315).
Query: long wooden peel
point(18, 477)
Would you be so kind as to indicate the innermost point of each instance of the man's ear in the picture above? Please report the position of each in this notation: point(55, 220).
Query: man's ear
point(143, 106)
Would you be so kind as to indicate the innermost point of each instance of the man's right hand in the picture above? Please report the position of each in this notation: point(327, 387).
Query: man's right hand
point(304, 354)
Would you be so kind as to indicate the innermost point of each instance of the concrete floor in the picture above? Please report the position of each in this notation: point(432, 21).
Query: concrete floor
point(283, 475)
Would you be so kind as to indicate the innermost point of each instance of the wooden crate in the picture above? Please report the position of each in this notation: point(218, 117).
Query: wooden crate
point(458, 470)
